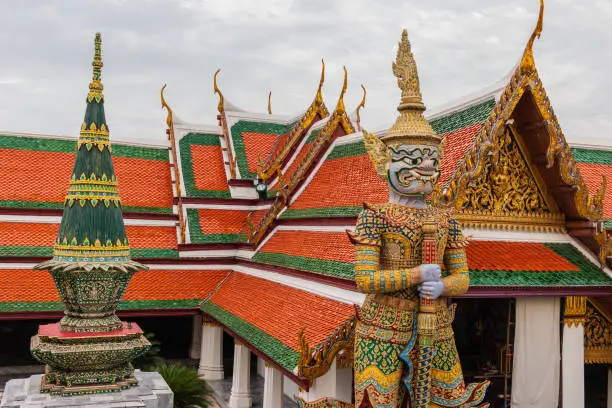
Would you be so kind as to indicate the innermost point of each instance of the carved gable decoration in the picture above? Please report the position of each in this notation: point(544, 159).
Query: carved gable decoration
point(507, 193)
point(597, 337)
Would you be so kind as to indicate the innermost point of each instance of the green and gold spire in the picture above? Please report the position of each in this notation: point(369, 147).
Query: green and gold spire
point(92, 233)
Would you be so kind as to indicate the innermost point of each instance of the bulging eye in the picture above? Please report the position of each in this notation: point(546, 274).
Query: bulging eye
point(416, 161)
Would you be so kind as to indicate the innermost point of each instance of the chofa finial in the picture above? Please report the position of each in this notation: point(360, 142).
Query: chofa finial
point(340, 105)
point(95, 86)
point(164, 104)
point(270, 103)
point(319, 96)
point(527, 62)
point(360, 106)
point(221, 104)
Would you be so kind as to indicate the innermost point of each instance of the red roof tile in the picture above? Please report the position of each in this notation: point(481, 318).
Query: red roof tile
point(279, 310)
point(347, 181)
point(26, 285)
point(257, 145)
point(42, 176)
point(218, 221)
point(591, 173)
point(515, 256)
point(457, 144)
point(208, 167)
point(331, 246)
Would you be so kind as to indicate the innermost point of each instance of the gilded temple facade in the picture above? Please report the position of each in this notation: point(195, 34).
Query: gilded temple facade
point(243, 226)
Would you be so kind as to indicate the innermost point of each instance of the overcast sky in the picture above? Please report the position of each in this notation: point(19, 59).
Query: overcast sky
point(277, 45)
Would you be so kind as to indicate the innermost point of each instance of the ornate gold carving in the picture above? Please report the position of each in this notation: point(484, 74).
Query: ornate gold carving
point(598, 198)
point(164, 104)
point(575, 311)
point(359, 107)
point(224, 128)
point(597, 337)
point(287, 187)
point(525, 78)
point(221, 105)
point(410, 127)
point(95, 86)
point(527, 65)
point(176, 169)
point(379, 154)
point(313, 363)
point(340, 105)
point(270, 103)
point(268, 168)
point(507, 193)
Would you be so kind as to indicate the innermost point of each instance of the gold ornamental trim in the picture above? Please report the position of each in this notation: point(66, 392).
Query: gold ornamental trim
point(574, 313)
point(597, 336)
point(313, 363)
point(268, 168)
point(512, 222)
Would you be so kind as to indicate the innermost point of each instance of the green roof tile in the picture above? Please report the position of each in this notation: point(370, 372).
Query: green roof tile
point(463, 118)
point(582, 155)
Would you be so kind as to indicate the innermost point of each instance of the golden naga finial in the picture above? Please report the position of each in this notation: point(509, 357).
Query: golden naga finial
point(319, 96)
point(527, 62)
point(221, 105)
point(164, 104)
point(361, 105)
point(340, 105)
point(95, 86)
point(410, 127)
point(270, 103)
point(598, 198)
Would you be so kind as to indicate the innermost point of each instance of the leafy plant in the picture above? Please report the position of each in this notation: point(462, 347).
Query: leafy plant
point(151, 359)
point(190, 391)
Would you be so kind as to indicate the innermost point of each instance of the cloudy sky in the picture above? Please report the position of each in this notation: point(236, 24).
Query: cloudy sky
point(277, 45)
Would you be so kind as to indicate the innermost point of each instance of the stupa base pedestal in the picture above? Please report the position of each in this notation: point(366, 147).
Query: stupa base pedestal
point(88, 363)
point(151, 392)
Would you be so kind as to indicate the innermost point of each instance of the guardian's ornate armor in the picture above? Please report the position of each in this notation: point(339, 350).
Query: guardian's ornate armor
point(388, 240)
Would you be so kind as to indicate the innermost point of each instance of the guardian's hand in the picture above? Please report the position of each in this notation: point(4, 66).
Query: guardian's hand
point(430, 272)
point(431, 290)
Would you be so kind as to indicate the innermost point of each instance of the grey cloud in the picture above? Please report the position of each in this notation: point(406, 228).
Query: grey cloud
point(277, 45)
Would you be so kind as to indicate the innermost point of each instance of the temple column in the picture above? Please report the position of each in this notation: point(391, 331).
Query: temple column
point(196, 337)
point(211, 351)
point(241, 380)
point(536, 366)
point(335, 383)
point(273, 388)
point(572, 359)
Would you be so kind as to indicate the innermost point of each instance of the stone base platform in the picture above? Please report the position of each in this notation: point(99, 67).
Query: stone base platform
point(151, 392)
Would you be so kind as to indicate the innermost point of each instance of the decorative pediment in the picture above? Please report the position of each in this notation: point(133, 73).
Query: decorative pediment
point(507, 193)
point(597, 336)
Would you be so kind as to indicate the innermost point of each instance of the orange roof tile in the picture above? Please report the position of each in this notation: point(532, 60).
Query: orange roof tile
point(173, 284)
point(218, 221)
point(26, 285)
point(457, 144)
point(347, 181)
point(257, 145)
point(279, 310)
point(591, 173)
point(142, 182)
point(515, 256)
point(208, 167)
point(331, 246)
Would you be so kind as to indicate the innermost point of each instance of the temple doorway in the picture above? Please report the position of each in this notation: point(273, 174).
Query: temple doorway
point(484, 334)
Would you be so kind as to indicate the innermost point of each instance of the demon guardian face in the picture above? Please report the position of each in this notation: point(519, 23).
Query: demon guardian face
point(414, 169)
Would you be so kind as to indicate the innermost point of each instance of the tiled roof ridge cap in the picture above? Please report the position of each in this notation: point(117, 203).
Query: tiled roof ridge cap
point(588, 146)
point(116, 141)
point(264, 117)
point(464, 102)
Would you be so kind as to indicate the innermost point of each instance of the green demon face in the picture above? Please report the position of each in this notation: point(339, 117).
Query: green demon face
point(413, 169)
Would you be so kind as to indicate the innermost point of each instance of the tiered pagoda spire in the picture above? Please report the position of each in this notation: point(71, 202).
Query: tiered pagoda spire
point(90, 349)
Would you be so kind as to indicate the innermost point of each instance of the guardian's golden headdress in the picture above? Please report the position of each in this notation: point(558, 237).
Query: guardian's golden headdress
point(410, 127)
